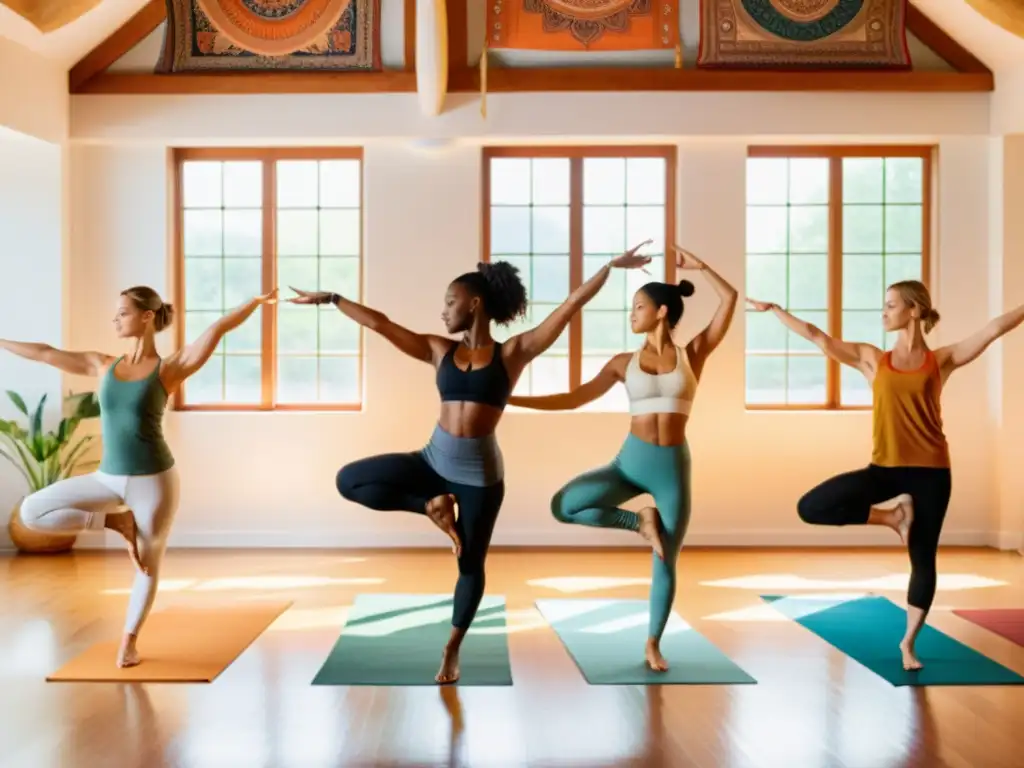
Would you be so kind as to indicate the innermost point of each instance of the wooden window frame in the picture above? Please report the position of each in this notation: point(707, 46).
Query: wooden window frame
point(268, 352)
point(836, 154)
point(576, 155)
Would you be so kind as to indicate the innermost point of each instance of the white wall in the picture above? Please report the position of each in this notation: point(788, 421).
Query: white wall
point(422, 226)
point(33, 93)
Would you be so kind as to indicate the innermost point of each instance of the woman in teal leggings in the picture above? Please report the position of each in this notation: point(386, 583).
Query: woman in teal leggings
point(661, 380)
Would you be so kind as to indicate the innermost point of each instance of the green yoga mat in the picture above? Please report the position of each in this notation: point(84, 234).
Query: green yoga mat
point(869, 630)
point(606, 639)
point(397, 640)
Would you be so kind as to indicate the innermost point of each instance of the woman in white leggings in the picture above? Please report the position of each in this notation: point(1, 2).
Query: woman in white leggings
point(135, 490)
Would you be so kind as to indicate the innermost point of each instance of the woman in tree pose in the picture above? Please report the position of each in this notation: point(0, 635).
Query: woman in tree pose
point(462, 463)
point(907, 485)
point(135, 490)
point(661, 381)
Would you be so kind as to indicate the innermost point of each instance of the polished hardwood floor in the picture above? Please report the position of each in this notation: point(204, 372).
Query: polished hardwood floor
point(812, 705)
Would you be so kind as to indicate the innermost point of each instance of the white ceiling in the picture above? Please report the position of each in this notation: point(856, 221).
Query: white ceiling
point(998, 48)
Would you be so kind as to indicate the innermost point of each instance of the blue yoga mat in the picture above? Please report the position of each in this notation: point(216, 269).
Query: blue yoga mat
point(398, 639)
point(869, 630)
point(606, 639)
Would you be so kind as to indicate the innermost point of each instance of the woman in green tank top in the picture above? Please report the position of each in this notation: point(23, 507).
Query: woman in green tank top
point(135, 490)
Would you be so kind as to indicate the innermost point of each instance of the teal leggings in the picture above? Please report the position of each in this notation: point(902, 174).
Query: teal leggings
point(663, 472)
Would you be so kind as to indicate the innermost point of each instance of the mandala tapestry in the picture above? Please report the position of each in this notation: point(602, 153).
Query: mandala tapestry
point(818, 34)
point(220, 35)
point(583, 25)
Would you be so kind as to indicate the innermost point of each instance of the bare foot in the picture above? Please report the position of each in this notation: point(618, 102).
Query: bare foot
point(441, 511)
point(127, 656)
point(904, 516)
point(449, 671)
point(124, 524)
point(650, 529)
point(654, 658)
point(910, 661)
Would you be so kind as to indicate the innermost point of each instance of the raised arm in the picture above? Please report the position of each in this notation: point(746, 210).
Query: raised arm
point(863, 357)
point(524, 347)
point(954, 356)
point(705, 342)
point(192, 357)
point(76, 363)
point(427, 348)
point(614, 370)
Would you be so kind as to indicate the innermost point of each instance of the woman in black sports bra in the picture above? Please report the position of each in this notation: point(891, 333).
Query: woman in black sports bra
point(462, 464)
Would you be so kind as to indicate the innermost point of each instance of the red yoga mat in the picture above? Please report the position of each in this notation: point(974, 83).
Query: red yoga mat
point(1006, 622)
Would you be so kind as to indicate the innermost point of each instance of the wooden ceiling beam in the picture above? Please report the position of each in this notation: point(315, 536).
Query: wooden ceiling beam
point(126, 37)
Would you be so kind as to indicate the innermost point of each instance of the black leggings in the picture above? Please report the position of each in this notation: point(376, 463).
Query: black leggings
point(404, 481)
point(847, 500)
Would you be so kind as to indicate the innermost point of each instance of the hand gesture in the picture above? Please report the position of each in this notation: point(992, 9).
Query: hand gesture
point(629, 260)
point(761, 306)
point(310, 297)
point(686, 260)
point(267, 298)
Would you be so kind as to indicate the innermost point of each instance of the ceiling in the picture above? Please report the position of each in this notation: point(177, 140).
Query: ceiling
point(1000, 49)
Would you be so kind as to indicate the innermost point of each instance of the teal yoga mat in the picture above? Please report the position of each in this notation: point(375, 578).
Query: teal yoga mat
point(397, 640)
point(869, 630)
point(606, 639)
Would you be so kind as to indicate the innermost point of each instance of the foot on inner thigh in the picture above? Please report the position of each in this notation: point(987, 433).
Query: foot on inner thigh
point(449, 671)
point(652, 654)
point(903, 516)
point(910, 661)
point(127, 656)
point(441, 511)
point(650, 529)
point(123, 523)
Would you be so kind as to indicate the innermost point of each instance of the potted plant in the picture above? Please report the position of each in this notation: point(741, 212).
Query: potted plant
point(44, 458)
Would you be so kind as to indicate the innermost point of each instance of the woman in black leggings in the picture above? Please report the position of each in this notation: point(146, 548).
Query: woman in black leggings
point(462, 465)
point(910, 460)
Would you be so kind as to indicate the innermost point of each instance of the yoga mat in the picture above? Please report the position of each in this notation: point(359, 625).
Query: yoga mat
point(398, 639)
point(869, 630)
point(1005, 622)
point(606, 639)
point(181, 645)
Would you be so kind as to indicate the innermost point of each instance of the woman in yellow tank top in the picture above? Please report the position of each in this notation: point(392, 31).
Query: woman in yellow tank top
point(907, 485)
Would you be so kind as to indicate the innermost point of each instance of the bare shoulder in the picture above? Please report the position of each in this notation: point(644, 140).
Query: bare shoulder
point(618, 364)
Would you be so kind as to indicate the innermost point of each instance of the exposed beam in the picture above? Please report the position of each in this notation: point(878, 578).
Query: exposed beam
point(936, 38)
point(126, 37)
point(409, 44)
point(510, 80)
point(388, 81)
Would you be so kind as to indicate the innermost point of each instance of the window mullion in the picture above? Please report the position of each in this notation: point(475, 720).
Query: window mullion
point(575, 267)
point(268, 312)
point(835, 276)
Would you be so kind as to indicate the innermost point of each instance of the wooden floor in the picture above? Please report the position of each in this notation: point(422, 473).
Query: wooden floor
point(812, 706)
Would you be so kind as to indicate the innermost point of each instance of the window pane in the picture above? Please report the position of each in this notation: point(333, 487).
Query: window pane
point(903, 230)
point(604, 181)
point(862, 229)
point(510, 230)
point(765, 333)
point(766, 277)
point(203, 233)
point(614, 294)
point(246, 338)
point(904, 180)
point(206, 386)
point(202, 184)
point(645, 223)
point(864, 326)
point(902, 267)
point(550, 229)
point(339, 275)
point(862, 180)
point(510, 181)
point(808, 181)
point(243, 379)
point(805, 384)
point(339, 232)
point(548, 278)
point(808, 281)
point(808, 229)
point(645, 181)
point(298, 233)
point(298, 184)
point(243, 184)
point(604, 331)
point(294, 272)
point(767, 181)
point(766, 380)
point(338, 334)
point(549, 374)
point(854, 388)
point(243, 279)
point(550, 181)
point(243, 233)
point(767, 229)
point(863, 282)
point(204, 285)
point(604, 230)
point(296, 330)
point(340, 183)
point(297, 377)
point(339, 380)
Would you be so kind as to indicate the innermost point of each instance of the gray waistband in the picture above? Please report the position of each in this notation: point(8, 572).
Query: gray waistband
point(475, 461)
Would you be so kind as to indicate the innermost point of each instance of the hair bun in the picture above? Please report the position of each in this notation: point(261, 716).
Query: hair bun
point(685, 288)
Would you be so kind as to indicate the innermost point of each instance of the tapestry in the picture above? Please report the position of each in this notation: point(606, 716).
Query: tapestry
point(583, 25)
point(252, 35)
point(820, 34)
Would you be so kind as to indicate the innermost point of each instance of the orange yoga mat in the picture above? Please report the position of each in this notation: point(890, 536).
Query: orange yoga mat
point(178, 645)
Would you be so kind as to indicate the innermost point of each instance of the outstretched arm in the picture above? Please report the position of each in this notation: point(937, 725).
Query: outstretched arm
point(524, 347)
point(76, 363)
point(192, 357)
point(863, 357)
point(614, 370)
point(427, 348)
point(705, 342)
point(963, 352)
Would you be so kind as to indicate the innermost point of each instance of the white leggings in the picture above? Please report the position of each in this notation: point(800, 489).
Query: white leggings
point(81, 503)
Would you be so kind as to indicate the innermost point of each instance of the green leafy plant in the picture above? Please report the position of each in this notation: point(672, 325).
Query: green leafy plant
point(43, 458)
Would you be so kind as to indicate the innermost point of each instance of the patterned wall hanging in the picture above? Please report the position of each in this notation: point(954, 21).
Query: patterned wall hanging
point(821, 34)
point(220, 35)
point(583, 25)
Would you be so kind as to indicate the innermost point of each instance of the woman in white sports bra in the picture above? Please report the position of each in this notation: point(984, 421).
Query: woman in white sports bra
point(661, 380)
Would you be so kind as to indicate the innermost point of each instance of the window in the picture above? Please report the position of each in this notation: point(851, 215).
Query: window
point(250, 220)
point(559, 214)
point(828, 228)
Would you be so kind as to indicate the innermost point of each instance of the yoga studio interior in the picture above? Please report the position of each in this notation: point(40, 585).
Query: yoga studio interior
point(366, 364)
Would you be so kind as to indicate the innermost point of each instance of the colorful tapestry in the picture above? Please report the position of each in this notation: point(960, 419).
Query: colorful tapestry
point(219, 35)
point(821, 34)
point(583, 25)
